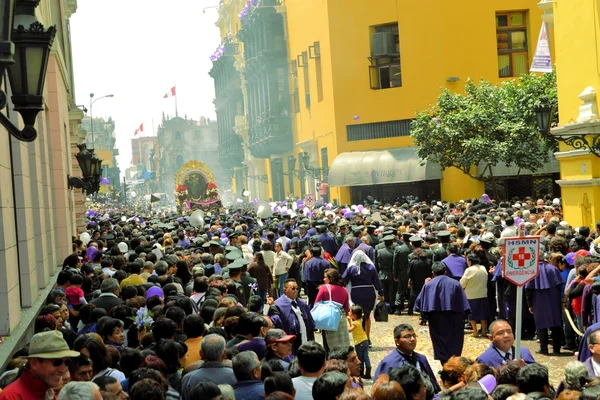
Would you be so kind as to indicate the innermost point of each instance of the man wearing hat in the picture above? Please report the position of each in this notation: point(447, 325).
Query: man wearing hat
point(373, 239)
point(342, 233)
point(48, 360)
point(440, 253)
point(384, 262)
point(401, 269)
point(235, 274)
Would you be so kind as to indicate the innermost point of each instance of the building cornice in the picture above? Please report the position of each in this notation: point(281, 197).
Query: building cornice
point(579, 182)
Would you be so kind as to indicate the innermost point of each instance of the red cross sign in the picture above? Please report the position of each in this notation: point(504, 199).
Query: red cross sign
point(521, 259)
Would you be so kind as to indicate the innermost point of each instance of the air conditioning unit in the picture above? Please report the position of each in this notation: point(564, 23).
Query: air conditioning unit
point(383, 44)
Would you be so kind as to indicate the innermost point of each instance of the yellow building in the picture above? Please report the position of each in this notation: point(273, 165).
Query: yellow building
point(577, 38)
point(356, 75)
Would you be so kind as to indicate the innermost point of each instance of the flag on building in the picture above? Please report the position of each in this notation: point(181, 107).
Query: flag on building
point(140, 129)
point(542, 60)
point(170, 93)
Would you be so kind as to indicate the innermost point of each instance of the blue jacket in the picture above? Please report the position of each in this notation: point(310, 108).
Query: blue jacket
point(249, 390)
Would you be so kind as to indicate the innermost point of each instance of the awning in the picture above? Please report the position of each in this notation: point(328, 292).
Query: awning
point(379, 167)
point(551, 167)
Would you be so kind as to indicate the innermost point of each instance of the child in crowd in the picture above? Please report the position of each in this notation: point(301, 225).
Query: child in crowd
point(361, 342)
point(74, 292)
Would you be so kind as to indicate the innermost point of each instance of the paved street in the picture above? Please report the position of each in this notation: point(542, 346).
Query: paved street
point(383, 343)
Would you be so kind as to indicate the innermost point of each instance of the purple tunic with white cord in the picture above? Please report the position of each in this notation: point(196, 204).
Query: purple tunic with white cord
point(362, 292)
point(444, 302)
point(547, 296)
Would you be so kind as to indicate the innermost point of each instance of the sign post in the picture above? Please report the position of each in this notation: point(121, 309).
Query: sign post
point(520, 266)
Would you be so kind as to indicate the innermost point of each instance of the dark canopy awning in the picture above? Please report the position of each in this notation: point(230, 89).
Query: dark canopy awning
point(378, 167)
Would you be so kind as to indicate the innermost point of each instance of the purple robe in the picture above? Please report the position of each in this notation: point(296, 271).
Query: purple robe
point(343, 257)
point(314, 269)
point(283, 317)
point(368, 250)
point(329, 244)
point(586, 306)
point(493, 359)
point(395, 360)
point(456, 265)
point(584, 350)
point(445, 304)
point(596, 307)
point(547, 297)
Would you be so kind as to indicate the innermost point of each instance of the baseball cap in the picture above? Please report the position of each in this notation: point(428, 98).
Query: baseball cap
point(278, 336)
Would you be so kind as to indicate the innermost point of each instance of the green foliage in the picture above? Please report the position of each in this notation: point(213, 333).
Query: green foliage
point(487, 125)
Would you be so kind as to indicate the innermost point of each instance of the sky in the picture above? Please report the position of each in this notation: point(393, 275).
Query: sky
point(138, 50)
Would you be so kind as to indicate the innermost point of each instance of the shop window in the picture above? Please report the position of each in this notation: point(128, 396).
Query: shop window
point(511, 41)
point(385, 71)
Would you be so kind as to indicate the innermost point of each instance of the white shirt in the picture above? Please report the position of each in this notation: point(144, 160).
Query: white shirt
point(303, 386)
point(284, 240)
point(298, 312)
point(503, 354)
point(596, 367)
point(474, 282)
point(509, 231)
point(282, 263)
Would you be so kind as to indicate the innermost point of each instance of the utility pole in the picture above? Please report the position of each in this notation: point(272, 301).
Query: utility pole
point(124, 192)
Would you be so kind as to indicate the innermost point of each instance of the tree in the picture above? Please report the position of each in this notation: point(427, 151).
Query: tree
point(488, 125)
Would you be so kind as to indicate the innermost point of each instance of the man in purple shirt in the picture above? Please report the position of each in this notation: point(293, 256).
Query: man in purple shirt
point(456, 264)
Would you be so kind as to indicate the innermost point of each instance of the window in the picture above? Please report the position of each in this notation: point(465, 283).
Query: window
point(378, 130)
point(511, 40)
point(385, 71)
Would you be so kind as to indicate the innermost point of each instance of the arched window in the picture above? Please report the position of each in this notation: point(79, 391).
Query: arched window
point(177, 135)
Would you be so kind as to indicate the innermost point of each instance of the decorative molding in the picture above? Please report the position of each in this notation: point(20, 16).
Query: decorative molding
point(547, 6)
point(579, 182)
point(570, 154)
point(588, 111)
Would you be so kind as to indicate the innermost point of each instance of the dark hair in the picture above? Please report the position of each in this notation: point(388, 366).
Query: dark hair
point(78, 362)
point(45, 323)
point(316, 251)
point(109, 326)
point(175, 314)
point(134, 267)
point(164, 328)
point(532, 378)
point(147, 389)
point(340, 353)
point(193, 326)
point(152, 361)
point(153, 301)
point(124, 313)
point(401, 328)
point(357, 311)
point(255, 303)
point(330, 385)
point(409, 378)
point(279, 382)
point(279, 396)
point(170, 352)
point(54, 295)
point(64, 276)
point(97, 350)
point(503, 391)
point(311, 356)
point(207, 312)
point(104, 380)
point(473, 259)
point(76, 279)
point(71, 261)
point(334, 277)
point(128, 292)
point(201, 284)
point(438, 268)
point(131, 359)
point(205, 390)
point(507, 373)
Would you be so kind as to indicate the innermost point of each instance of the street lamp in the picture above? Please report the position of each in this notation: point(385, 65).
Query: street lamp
point(91, 169)
point(315, 173)
point(544, 114)
point(26, 60)
point(92, 112)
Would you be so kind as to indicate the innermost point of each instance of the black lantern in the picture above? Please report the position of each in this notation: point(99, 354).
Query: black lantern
point(304, 159)
point(543, 113)
point(27, 72)
point(91, 169)
point(291, 163)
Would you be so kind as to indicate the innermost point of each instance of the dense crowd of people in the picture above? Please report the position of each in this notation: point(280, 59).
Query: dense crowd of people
point(149, 306)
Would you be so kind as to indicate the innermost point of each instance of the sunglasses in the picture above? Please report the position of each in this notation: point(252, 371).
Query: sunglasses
point(293, 288)
point(59, 361)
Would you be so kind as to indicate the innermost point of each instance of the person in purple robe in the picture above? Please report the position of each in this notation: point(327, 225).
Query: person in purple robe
point(313, 274)
point(363, 277)
point(366, 248)
point(327, 241)
point(502, 349)
point(445, 305)
point(456, 264)
point(344, 254)
point(405, 354)
point(545, 303)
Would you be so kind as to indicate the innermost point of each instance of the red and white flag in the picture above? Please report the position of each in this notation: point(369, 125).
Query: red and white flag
point(170, 93)
point(140, 129)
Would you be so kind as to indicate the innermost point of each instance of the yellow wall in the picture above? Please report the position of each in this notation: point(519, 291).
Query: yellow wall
point(438, 39)
point(107, 159)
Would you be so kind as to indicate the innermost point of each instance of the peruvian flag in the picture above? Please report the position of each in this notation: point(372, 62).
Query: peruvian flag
point(170, 93)
point(140, 129)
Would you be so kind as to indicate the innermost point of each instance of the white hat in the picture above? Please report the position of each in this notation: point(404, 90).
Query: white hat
point(85, 238)
point(123, 248)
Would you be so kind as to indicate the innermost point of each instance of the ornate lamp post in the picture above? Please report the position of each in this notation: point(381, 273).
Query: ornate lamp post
point(92, 112)
point(91, 169)
point(24, 53)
